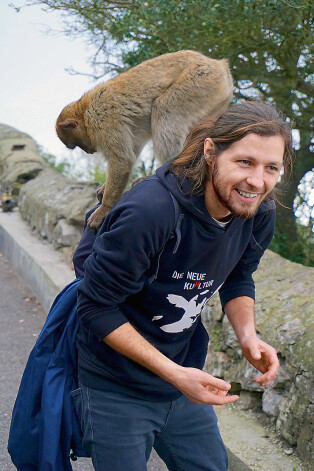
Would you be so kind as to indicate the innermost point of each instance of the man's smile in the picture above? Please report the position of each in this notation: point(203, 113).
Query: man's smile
point(246, 194)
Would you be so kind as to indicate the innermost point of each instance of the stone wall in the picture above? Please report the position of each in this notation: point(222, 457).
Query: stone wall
point(53, 206)
point(284, 319)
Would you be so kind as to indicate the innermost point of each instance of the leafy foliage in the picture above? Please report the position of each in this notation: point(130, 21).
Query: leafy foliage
point(299, 251)
point(78, 167)
point(51, 160)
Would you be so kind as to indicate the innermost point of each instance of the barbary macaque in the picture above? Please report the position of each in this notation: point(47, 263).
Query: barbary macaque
point(160, 99)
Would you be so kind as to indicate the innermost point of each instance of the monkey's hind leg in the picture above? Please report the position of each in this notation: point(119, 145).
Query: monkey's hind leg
point(169, 128)
point(197, 94)
point(117, 179)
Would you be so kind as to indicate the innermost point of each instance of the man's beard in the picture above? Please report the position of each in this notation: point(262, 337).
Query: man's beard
point(241, 209)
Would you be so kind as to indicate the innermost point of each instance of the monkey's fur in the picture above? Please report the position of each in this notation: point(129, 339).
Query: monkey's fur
point(160, 99)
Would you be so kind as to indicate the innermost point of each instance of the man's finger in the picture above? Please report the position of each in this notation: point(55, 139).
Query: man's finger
point(261, 380)
point(254, 350)
point(272, 371)
point(272, 367)
point(217, 383)
point(266, 378)
point(221, 400)
point(218, 392)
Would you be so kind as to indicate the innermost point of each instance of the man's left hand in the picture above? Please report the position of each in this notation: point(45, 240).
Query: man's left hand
point(263, 357)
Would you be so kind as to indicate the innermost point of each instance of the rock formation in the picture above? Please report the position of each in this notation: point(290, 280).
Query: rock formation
point(284, 319)
point(54, 206)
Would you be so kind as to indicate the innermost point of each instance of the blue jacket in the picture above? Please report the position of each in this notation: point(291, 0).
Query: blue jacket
point(44, 426)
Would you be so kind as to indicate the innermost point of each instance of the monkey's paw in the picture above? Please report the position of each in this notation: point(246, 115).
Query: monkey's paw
point(96, 218)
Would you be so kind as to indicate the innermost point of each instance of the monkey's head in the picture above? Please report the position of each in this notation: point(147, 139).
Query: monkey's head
point(71, 130)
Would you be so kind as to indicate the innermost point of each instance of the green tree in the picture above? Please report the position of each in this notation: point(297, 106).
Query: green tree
point(269, 44)
point(61, 167)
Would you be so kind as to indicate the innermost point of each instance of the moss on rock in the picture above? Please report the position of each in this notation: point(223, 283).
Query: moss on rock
point(284, 319)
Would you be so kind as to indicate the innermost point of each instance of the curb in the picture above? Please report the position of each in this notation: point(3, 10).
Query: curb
point(46, 273)
point(36, 262)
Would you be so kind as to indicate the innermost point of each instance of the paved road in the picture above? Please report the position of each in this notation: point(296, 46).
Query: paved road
point(21, 319)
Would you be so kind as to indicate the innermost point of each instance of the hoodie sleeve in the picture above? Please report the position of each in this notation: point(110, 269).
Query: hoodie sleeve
point(132, 234)
point(240, 281)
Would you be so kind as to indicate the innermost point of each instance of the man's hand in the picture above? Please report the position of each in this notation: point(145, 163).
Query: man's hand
point(196, 385)
point(240, 312)
point(202, 388)
point(263, 357)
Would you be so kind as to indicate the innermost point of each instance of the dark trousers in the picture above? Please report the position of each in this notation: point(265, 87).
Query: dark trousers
point(120, 431)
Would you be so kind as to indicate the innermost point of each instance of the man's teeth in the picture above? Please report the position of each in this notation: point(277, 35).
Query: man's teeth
point(247, 195)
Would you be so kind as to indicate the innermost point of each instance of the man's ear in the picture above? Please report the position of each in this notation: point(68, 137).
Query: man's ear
point(68, 123)
point(208, 145)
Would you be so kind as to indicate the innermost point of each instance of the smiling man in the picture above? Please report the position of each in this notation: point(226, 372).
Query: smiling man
point(199, 226)
point(244, 176)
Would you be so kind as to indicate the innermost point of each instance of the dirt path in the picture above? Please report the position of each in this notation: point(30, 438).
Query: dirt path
point(254, 444)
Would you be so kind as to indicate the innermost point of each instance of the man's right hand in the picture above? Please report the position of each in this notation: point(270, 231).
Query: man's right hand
point(196, 385)
point(202, 388)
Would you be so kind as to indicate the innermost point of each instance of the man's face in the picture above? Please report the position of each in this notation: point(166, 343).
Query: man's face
point(243, 175)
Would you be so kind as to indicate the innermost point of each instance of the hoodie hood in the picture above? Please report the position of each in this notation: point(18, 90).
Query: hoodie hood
point(181, 188)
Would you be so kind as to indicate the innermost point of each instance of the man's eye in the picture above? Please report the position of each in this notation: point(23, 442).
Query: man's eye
point(245, 162)
point(272, 168)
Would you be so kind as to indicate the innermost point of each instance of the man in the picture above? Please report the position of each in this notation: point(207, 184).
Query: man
point(141, 342)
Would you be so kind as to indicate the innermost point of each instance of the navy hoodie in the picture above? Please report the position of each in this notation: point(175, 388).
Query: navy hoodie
point(136, 241)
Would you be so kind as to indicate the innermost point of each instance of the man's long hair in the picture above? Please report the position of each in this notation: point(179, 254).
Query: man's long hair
point(231, 126)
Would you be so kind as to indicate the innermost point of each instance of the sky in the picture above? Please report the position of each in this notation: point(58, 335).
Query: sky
point(35, 86)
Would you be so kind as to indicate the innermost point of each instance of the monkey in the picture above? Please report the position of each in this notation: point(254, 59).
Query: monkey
point(160, 99)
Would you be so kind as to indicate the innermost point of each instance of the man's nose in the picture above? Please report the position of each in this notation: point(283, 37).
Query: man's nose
point(255, 178)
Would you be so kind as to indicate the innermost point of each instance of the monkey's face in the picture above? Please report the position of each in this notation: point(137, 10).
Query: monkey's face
point(72, 133)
